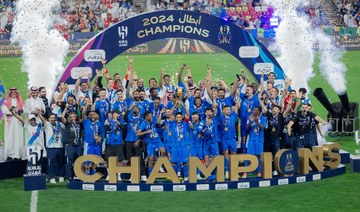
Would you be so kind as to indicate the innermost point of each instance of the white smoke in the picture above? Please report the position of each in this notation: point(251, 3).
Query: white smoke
point(294, 42)
point(331, 65)
point(43, 47)
point(295, 39)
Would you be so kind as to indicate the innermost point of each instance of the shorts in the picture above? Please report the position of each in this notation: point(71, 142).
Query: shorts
point(180, 155)
point(211, 148)
point(255, 147)
point(90, 149)
point(168, 147)
point(153, 146)
point(115, 150)
point(197, 152)
point(228, 144)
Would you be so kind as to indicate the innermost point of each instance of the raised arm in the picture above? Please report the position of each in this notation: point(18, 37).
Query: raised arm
point(161, 77)
point(83, 114)
point(78, 81)
point(42, 118)
point(179, 76)
point(247, 80)
point(17, 115)
point(208, 77)
point(63, 119)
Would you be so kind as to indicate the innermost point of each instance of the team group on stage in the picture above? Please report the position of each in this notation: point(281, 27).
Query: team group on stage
point(124, 118)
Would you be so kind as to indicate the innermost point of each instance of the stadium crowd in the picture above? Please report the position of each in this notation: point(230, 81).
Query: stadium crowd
point(349, 12)
point(96, 15)
point(124, 117)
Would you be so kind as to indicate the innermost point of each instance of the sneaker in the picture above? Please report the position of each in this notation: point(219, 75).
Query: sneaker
point(198, 176)
point(275, 173)
point(119, 177)
point(52, 181)
point(107, 178)
point(186, 179)
point(226, 175)
point(244, 175)
point(61, 180)
point(143, 178)
point(179, 174)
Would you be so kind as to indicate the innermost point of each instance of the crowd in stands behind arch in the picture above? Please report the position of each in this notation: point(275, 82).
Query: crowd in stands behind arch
point(96, 15)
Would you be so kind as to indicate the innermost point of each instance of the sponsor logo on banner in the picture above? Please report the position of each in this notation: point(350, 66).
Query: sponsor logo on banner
point(202, 187)
point(316, 177)
point(243, 185)
point(94, 55)
point(222, 186)
point(259, 68)
point(279, 84)
point(301, 179)
point(265, 183)
point(78, 71)
point(133, 188)
point(224, 35)
point(179, 187)
point(123, 33)
point(157, 188)
point(110, 188)
point(88, 187)
point(249, 52)
point(283, 181)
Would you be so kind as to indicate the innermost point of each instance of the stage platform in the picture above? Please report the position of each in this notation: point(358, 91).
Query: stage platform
point(203, 185)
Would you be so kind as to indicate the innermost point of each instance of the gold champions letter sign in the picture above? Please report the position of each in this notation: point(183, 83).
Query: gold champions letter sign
point(285, 162)
point(164, 24)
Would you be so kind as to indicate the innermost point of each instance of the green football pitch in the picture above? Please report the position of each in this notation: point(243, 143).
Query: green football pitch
point(334, 194)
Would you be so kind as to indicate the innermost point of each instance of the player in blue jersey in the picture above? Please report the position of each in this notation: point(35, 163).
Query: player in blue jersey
point(180, 145)
point(199, 107)
point(102, 106)
point(209, 129)
point(114, 138)
point(155, 107)
point(227, 121)
point(134, 145)
point(93, 136)
point(166, 130)
point(152, 139)
point(196, 139)
point(256, 125)
point(248, 102)
point(120, 104)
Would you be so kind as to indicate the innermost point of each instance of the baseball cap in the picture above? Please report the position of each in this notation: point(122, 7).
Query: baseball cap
point(31, 116)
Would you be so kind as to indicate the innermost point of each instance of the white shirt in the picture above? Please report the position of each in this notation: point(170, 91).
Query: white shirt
point(32, 130)
point(32, 104)
point(53, 135)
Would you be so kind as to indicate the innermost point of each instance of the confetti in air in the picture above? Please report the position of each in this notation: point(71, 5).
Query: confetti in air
point(43, 47)
point(331, 65)
point(295, 39)
point(294, 42)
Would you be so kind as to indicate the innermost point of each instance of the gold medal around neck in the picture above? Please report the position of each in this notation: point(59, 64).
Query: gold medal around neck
point(273, 129)
point(54, 136)
point(118, 132)
point(169, 133)
point(134, 128)
point(249, 110)
point(226, 129)
point(123, 113)
point(151, 135)
point(255, 130)
point(199, 135)
point(181, 136)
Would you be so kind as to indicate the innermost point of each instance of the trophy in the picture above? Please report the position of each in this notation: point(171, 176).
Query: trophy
point(180, 93)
